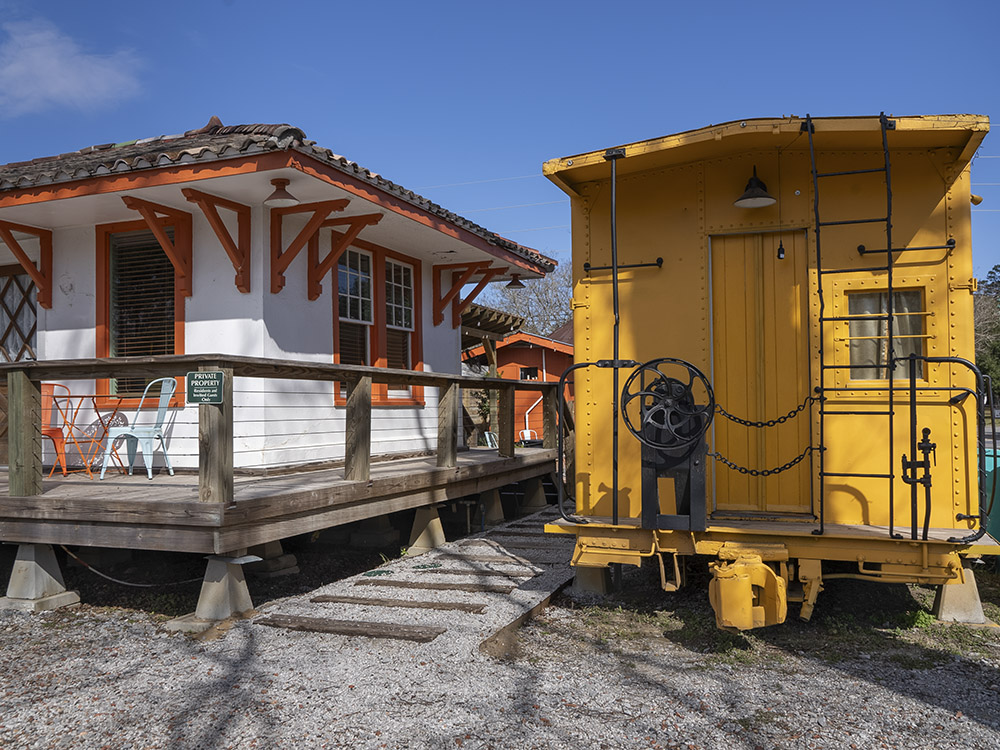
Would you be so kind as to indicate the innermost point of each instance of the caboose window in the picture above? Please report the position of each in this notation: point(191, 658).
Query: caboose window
point(869, 339)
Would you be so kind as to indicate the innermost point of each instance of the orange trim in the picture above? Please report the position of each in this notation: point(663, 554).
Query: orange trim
point(260, 163)
point(341, 240)
point(41, 276)
point(102, 326)
point(280, 260)
point(178, 251)
point(238, 250)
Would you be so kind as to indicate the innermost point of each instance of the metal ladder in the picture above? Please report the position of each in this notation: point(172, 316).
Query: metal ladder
point(888, 317)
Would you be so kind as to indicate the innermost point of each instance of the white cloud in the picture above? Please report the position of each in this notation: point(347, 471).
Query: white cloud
point(42, 68)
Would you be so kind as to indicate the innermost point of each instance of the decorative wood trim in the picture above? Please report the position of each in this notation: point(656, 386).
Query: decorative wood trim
point(238, 250)
point(281, 259)
point(178, 251)
point(41, 274)
point(341, 241)
point(465, 272)
point(459, 306)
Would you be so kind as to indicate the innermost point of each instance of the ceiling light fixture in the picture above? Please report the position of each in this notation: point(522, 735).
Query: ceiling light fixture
point(515, 282)
point(280, 198)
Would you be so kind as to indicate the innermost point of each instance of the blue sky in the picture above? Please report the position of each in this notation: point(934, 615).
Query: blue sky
point(463, 101)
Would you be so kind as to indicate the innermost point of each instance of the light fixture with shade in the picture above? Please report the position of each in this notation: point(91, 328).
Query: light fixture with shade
point(280, 198)
point(515, 282)
point(755, 195)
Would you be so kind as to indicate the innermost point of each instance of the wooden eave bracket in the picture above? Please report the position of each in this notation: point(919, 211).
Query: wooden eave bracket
point(40, 274)
point(341, 241)
point(178, 251)
point(461, 274)
point(281, 259)
point(238, 250)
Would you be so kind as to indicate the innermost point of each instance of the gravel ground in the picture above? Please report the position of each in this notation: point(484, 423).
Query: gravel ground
point(643, 669)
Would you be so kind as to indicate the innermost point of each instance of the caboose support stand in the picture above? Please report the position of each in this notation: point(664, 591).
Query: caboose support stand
point(224, 594)
point(959, 602)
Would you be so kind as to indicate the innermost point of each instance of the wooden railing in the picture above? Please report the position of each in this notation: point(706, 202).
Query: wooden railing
point(215, 422)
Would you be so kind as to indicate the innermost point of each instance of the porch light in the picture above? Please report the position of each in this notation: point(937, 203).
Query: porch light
point(515, 282)
point(755, 195)
point(280, 198)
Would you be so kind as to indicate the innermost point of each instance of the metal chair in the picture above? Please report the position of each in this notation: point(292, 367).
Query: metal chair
point(491, 440)
point(142, 435)
point(527, 435)
point(51, 412)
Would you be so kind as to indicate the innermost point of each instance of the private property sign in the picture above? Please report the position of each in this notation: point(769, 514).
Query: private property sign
point(205, 387)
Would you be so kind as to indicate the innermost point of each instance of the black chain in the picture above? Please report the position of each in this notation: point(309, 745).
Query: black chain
point(762, 472)
point(771, 422)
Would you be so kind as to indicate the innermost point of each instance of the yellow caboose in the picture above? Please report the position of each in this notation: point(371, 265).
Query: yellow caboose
point(774, 344)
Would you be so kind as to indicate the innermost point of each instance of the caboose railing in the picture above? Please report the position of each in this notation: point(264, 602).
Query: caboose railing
point(215, 421)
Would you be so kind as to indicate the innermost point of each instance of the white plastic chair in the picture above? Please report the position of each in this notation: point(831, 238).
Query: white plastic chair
point(143, 435)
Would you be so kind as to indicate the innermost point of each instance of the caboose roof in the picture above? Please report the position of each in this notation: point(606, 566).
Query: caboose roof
point(963, 133)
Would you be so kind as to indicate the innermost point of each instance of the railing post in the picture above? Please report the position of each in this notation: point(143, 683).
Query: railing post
point(447, 446)
point(215, 444)
point(505, 421)
point(550, 425)
point(357, 455)
point(24, 420)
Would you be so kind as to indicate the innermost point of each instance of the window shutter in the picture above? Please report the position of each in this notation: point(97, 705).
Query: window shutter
point(353, 343)
point(141, 311)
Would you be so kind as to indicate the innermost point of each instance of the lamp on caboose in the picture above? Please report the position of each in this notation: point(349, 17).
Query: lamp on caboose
point(755, 195)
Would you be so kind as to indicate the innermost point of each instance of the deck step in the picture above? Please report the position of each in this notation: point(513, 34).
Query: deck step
point(368, 601)
point(419, 633)
point(472, 588)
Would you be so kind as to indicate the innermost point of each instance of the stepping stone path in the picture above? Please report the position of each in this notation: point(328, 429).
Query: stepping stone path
point(475, 591)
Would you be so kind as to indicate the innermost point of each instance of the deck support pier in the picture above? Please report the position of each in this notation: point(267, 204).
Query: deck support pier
point(427, 531)
point(375, 533)
point(534, 496)
point(224, 593)
point(959, 602)
point(491, 507)
point(36, 582)
point(275, 562)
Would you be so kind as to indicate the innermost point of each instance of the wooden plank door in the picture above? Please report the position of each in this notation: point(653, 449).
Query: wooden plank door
point(760, 348)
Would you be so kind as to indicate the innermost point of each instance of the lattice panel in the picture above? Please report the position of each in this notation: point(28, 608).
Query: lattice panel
point(18, 320)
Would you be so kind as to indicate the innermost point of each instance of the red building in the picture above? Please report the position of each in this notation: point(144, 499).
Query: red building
point(528, 356)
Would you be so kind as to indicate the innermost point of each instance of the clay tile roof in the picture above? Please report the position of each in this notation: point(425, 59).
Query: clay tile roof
point(218, 141)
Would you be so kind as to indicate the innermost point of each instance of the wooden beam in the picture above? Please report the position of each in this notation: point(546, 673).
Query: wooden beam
point(340, 241)
point(550, 427)
point(24, 419)
point(505, 421)
point(357, 450)
point(215, 444)
point(370, 601)
point(418, 633)
point(460, 305)
point(238, 250)
point(464, 272)
point(281, 259)
point(179, 250)
point(40, 274)
point(447, 447)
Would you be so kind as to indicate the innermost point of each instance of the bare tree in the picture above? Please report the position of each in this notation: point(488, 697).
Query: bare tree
point(543, 303)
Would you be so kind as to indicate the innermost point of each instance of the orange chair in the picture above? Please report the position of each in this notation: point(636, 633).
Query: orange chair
point(51, 412)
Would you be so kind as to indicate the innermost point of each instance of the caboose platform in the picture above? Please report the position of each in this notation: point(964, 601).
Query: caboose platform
point(165, 513)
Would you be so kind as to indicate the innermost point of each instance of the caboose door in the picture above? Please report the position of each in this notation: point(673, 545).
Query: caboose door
point(760, 349)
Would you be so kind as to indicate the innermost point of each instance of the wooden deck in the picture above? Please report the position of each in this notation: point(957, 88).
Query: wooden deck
point(166, 514)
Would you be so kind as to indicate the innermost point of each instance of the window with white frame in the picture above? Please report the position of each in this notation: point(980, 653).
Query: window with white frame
point(398, 314)
point(354, 289)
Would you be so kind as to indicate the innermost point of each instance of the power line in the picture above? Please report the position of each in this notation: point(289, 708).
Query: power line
point(984, 184)
point(478, 182)
point(535, 229)
point(986, 210)
point(519, 205)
